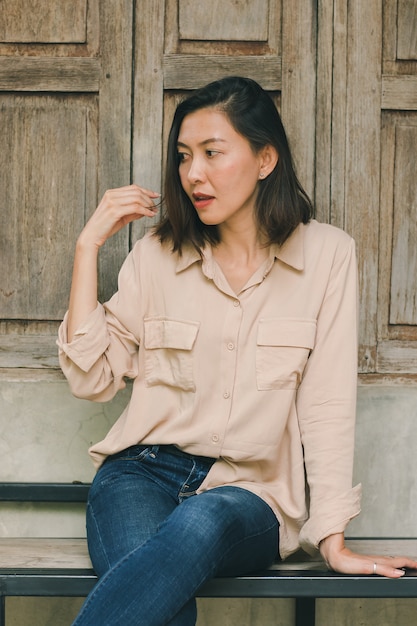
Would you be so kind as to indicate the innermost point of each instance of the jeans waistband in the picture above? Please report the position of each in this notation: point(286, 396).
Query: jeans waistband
point(171, 449)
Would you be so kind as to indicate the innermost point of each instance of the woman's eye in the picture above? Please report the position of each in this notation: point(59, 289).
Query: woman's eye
point(182, 156)
point(211, 153)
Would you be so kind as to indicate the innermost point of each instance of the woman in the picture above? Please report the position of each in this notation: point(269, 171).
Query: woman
point(236, 319)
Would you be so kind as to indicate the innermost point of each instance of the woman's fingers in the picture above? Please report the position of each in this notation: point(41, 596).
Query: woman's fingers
point(118, 208)
point(349, 562)
point(131, 200)
point(392, 567)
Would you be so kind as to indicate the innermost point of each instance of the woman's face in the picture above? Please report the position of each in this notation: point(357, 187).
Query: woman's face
point(218, 169)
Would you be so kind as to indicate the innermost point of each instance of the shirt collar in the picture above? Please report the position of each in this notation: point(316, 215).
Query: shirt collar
point(291, 252)
point(189, 256)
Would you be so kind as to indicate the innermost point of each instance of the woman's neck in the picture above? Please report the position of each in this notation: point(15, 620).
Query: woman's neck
point(239, 254)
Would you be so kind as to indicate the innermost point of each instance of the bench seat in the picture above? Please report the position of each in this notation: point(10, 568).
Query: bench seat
point(61, 567)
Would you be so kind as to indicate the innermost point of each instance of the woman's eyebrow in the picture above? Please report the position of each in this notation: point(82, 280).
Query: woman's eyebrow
point(180, 144)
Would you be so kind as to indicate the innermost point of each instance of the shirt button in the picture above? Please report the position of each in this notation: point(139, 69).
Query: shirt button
point(226, 394)
point(230, 346)
point(236, 303)
point(215, 438)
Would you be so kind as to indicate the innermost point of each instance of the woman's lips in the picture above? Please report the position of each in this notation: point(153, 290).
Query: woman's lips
point(202, 200)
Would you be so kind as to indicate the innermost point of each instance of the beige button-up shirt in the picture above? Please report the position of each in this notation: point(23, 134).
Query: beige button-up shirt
point(263, 380)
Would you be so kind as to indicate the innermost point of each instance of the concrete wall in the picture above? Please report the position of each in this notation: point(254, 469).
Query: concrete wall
point(44, 436)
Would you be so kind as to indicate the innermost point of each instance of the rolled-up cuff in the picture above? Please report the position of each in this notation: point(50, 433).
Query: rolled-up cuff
point(333, 517)
point(90, 341)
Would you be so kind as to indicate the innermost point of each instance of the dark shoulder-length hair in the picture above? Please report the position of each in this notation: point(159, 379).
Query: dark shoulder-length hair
point(281, 204)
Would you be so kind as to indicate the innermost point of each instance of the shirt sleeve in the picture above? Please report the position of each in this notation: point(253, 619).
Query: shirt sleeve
point(326, 405)
point(104, 349)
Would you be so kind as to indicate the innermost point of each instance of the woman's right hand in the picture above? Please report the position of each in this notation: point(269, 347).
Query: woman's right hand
point(117, 208)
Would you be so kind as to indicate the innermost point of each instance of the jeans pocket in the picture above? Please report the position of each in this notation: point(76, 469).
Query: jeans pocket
point(112, 469)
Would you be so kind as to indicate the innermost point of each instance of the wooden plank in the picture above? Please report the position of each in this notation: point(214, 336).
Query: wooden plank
point(397, 356)
point(49, 74)
point(43, 21)
point(183, 71)
point(338, 202)
point(399, 92)
point(403, 308)
point(388, 379)
point(363, 148)
point(325, 51)
point(116, 53)
point(298, 107)
point(227, 20)
point(386, 222)
point(29, 373)
point(407, 30)
point(33, 352)
point(22, 552)
point(148, 108)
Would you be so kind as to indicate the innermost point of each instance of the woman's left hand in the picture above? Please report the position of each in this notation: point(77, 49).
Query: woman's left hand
point(340, 559)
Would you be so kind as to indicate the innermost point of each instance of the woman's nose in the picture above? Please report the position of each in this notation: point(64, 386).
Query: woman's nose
point(196, 171)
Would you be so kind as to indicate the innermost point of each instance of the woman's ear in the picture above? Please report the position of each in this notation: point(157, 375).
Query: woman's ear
point(268, 160)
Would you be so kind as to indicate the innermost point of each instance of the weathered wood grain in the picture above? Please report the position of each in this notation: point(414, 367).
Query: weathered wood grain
point(189, 72)
point(115, 126)
point(403, 309)
point(407, 30)
point(399, 93)
point(241, 20)
point(397, 357)
point(28, 352)
point(363, 148)
point(87, 102)
point(147, 158)
point(42, 21)
point(43, 167)
point(298, 104)
point(25, 552)
point(49, 74)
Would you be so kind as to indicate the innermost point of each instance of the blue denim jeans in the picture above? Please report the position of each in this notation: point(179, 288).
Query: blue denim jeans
point(153, 541)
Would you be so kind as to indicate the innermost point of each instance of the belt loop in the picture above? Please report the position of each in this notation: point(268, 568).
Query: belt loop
point(153, 453)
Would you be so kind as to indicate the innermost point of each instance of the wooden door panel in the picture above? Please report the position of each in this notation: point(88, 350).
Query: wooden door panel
point(241, 20)
point(41, 21)
point(403, 301)
point(65, 118)
point(397, 278)
point(407, 30)
point(49, 146)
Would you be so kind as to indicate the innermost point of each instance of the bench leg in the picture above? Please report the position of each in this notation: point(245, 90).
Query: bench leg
point(2, 611)
point(305, 611)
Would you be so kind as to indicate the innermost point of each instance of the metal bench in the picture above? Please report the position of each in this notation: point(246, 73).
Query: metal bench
point(61, 567)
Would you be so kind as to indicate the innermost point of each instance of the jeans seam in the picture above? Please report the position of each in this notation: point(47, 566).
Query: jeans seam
point(93, 518)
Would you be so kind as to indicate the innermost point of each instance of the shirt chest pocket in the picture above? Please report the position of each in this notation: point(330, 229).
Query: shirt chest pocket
point(168, 347)
point(283, 347)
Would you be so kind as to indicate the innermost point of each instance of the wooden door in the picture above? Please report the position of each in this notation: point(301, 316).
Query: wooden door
point(65, 128)
point(87, 92)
